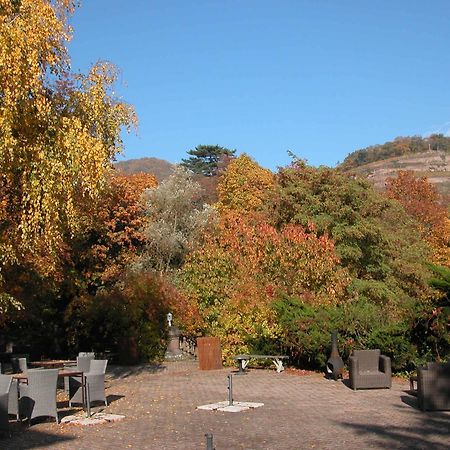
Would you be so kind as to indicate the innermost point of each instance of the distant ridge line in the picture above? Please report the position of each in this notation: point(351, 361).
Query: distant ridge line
point(156, 166)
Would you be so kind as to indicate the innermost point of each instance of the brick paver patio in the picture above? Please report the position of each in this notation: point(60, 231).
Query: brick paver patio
point(299, 412)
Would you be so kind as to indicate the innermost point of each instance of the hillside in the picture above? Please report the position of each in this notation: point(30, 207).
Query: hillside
point(158, 167)
point(400, 146)
point(434, 164)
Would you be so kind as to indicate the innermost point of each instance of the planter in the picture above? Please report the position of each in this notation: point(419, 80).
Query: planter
point(209, 353)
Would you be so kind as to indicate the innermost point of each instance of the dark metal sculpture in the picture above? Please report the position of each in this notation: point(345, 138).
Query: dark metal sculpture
point(335, 364)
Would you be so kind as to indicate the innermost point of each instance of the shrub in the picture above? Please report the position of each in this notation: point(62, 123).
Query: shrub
point(136, 311)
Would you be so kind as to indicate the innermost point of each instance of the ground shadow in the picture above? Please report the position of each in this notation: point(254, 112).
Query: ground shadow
point(120, 372)
point(410, 400)
point(24, 437)
point(432, 430)
point(113, 398)
point(346, 383)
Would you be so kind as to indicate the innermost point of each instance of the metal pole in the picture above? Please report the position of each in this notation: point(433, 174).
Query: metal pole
point(230, 389)
point(209, 441)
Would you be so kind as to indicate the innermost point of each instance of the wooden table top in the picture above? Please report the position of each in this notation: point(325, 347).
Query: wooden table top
point(51, 363)
point(62, 373)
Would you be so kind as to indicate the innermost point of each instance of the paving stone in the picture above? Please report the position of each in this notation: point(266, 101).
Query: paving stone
point(300, 412)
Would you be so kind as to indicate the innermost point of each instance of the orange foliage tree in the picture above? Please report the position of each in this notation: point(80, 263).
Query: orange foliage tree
point(244, 186)
point(112, 236)
point(421, 199)
point(232, 280)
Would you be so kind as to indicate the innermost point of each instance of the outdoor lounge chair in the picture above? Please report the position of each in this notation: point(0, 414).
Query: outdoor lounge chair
point(433, 387)
point(369, 369)
point(5, 385)
point(38, 397)
point(19, 365)
point(76, 383)
point(13, 399)
point(95, 381)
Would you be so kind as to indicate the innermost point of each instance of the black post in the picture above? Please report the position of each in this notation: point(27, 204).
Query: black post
point(209, 441)
point(230, 389)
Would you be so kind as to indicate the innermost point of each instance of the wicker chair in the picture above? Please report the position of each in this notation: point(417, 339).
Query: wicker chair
point(19, 365)
point(95, 381)
point(76, 383)
point(5, 386)
point(38, 397)
point(13, 399)
point(369, 369)
point(433, 387)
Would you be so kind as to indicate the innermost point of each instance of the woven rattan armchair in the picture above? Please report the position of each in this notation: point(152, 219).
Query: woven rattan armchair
point(369, 369)
point(13, 399)
point(19, 365)
point(38, 397)
point(75, 386)
point(433, 387)
point(88, 354)
point(5, 385)
point(95, 381)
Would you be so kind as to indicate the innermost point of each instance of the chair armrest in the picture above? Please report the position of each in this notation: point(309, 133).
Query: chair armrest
point(385, 365)
point(353, 364)
point(426, 385)
point(353, 370)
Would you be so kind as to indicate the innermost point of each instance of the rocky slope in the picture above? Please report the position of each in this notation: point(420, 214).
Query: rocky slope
point(435, 165)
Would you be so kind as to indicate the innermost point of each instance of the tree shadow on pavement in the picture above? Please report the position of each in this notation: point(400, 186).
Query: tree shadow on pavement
point(120, 372)
point(24, 437)
point(431, 431)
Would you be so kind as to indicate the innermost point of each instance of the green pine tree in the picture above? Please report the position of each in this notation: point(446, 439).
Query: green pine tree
point(204, 159)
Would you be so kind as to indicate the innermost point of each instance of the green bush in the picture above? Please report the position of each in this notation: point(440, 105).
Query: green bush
point(360, 324)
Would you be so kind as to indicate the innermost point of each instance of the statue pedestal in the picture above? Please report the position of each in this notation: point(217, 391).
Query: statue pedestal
point(173, 349)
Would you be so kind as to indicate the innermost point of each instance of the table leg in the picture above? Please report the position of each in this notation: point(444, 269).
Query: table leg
point(88, 399)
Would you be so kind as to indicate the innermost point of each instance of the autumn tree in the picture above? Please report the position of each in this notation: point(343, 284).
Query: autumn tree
point(233, 278)
point(205, 159)
point(58, 131)
point(111, 236)
point(176, 220)
point(421, 199)
point(376, 240)
point(245, 186)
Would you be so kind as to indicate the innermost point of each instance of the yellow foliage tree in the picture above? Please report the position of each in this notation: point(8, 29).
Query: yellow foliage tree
point(245, 186)
point(58, 131)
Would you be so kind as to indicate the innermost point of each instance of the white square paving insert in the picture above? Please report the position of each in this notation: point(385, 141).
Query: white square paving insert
point(235, 407)
point(95, 419)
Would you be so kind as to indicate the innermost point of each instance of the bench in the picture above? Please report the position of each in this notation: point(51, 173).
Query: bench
point(243, 361)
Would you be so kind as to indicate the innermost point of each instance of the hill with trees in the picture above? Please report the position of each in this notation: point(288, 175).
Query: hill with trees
point(426, 157)
point(400, 146)
point(160, 168)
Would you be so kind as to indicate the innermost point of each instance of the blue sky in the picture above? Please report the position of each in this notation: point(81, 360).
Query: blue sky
point(321, 78)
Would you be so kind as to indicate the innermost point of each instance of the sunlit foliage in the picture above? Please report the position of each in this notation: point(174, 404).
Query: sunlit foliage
point(423, 202)
point(176, 220)
point(232, 280)
point(245, 186)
